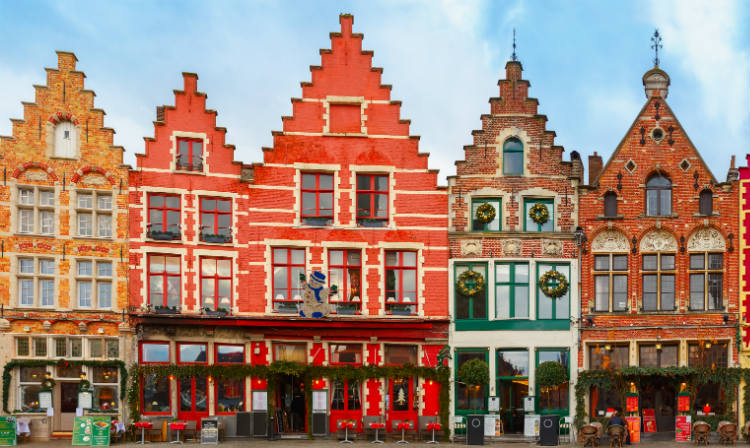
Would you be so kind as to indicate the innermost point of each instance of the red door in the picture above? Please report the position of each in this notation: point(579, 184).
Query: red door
point(401, 405)
point(346, 403)
point(193, 399)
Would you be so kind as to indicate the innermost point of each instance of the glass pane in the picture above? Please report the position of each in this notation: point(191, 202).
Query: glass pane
point(400, 396)
point(208, 267)
point(172, 202)
point(668, 356)
point(649, 262)
point(230, 395)
point(601, 262)
point(308, 203)
point(104, 226)
point(502, 301)
point(85, 268)
point(32, 374)
point(308, 181)
point(26, 265)
point(521, 273)
point(173, 265)
point(620, 262)
point(84, 294)
point(208, 204)
point(649, 292)
point(22, 346)
point(230, 354)
point(224, 267)
point(363, 204)
point(105, 375)
point(512, 363)
point(85, 200)
point(502, 273)
point(155, 352)
point(186, 394)
point(46, 267)
point(155, 394)
point(156, 264)
point(715, 292)
point(665, 202)
point(715, 261)
point(201, 394)
point(652, 202)
point(346, 353)
point(381, 183)
point(173, 291)
point(104, 269)
point(104, 294)
point(336, 258)
point(26, 196)
point(697, 261)
point(380, 205)
point(326, 204)
point(290, 352)
point(667, 292)
point(601, 292)
point(113, 348)
point(620, 292)
point(76, 348)
point(697, 293)
point(61, 347)
point(184, 149)
point(401, 354)
point(224, 205)
point(298, 256)
point(410, 259)
point(192, 353)
point(155, 218)
point(104, 202)
point(326, 181)
point(96, 349)
point(521, 302)
point(513, 163)
point(105, 398)
point(363, 182)
point(279, 256)
point(667, 262)
point(47, 289)
point(156, 201)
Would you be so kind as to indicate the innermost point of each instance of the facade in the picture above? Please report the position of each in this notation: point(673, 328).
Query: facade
point(660, 284)
point(519, 318)
point(63, 256)
point(744, 269)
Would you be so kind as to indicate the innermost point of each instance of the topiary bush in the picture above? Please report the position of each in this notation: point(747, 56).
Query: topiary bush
point(474, 372)
point(551, 374)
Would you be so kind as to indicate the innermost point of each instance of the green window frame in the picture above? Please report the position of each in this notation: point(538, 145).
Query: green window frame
point(513, 157)
point(529, 225)
point(461, 388)
point(548, 308)
point(476, 305)
point(493, 226)
point(540, 400)
point(509, 291)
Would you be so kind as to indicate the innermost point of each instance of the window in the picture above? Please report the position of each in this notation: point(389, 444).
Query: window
point(372, 200)
point(493, 226)
point(610, 204)
point(104, 348)
point(513, 157)
point(69, 371)
point(155, 394)
point(155, 353)
point(400, 355)
point(29, 387)
point(470, 397)
point(317, 199)
point(40, 347)
point(345, 272)
point(189, 154)
point(706, 203)
point(345, 354)
point(472, 306)
point(529, 225)
point(346, 395)
point(288, 266)
point(94, 214)
point(708, 354)
point(163, 217)
point(658, 196)
point(96, 348)
point(657, 355)
point(65, 143)
point(230, 393)
point(105, 383)
point(611, 282)
point(216, 220)
point(608, 356)
point(112, 347)
point(164, 280)
point(402, 394)
point(36, 210)
point(68, 347)
point(94, 283)
point(401, 282)
point(216, 283)
point(511, 290)
point(706, 281)
point(549, 307)
point(553, 399)
point(22, 346)
point(512, 369)
point(290, 352)
point(191, 353)
point(658, 282)
point(36, 282)
point(230, 354)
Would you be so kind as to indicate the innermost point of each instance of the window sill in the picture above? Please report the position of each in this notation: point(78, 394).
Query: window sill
point(610, 218)
point(705, 311)
point(156, 240)
point(94, 238)
point(35, 235)
point(604, 313)
point(641, 310)
point(195, 172)
point(672, 216)
point(712, 215)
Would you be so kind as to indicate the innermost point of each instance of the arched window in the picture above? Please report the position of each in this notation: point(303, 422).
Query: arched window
point(65, 144)
point(658, 196)
point(513, 157)
point(706, 203)
point(610, 204)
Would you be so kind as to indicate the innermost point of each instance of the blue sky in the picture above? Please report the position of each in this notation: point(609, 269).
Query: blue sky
point(584, 60)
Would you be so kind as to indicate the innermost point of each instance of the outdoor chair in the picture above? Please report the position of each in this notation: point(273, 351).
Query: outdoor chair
point(727, 432)
point(346, 430)
point(701, 431)
point(430, 429)
point(589, 436)
point(190, 432)
point(616, 435)
point(374, 428)
point(401, 430)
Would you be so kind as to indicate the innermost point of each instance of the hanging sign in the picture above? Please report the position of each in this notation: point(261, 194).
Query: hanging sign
point(8, 431)
point(683, 402)
point(631, 403)
point(682, 428)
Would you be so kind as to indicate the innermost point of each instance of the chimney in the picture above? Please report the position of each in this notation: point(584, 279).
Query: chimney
point(595, 167)
point(160, 113)
point(576, 166)
point(733, 174)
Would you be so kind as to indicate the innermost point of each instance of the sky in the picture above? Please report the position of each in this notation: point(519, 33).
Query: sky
point(584, 59)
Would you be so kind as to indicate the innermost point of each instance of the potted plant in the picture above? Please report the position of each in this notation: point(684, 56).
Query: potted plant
point(400, 309)
point(217, 312)
point(159, 309)
point(475, 373)
point(287, 307)
point(549, 375)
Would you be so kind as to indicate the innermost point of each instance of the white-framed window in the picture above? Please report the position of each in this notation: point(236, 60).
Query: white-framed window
point(94, 283)
point(94, 211)
point(30, 379)
point(36, 282)
point(65, 140)
point(104, 348)
point(36, 210)
point(105, 382)
point(67, 347)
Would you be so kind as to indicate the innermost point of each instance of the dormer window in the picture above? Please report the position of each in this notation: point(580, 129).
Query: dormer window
point(513, 157)
point(658, 196)
point(189, 154)
point(706, 203)
point(610, 204)
point(65, 145)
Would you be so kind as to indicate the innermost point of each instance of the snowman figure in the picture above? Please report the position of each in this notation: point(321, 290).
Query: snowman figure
point(315, 295)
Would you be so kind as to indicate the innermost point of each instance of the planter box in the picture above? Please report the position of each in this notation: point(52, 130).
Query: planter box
point(165, 311)
point(163, 236)
point(346, 311)
point(401, 312)
point(215, 313)
point(287, 310)
point(220, 239)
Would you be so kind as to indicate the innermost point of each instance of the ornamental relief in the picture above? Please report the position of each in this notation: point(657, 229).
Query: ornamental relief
point(552, 248)
point(512, 247)
point(706, 239)
point(471, 247)
point(610, 241)
point(658, 241)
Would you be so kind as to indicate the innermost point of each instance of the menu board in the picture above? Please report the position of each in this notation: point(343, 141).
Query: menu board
point(631, 403)
point(320, 401)
point(45, 399)
point(82, 431)
point(100, 430)
point(210, 431)
point(634, 429)
point(493, 426)
point(683, 403)
point(649, 420)
point(682, 428)
point(8, 431)
point(493, 405)
point(85, 399)
point(260, 400)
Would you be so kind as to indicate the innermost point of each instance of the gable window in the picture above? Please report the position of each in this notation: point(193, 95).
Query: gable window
point(471, 306)
point(512, 290)
point(288, 266)
point(706, 281)
point(345, 271)
point(36, 210)
point(513, 157)
point(658, 196)
point(706, 203)
point(401, 282)
point(372, 200)
point(164, 280)
point(317, 199)
point(477, 225)
point(94, 213)
point(36, 282)
point(163, 217)
point(216, 220)
point(551, 307)
point(610, 204)
point(545, 220)
point(611, 282)
point(658, 282)
point(94, 283)
point(216, 283)
point(189, 154)
point(65, 144)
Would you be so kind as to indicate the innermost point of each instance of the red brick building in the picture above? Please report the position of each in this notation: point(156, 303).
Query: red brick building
point(660, 274)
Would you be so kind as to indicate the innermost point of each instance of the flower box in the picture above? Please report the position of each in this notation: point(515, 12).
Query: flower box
point(219, 239)
point(218, 312)
point(165, 310)
point(347, 309)
point(163, 236)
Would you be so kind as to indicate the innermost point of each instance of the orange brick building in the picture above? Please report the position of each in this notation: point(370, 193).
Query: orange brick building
point(660, 274)
point(63, 253)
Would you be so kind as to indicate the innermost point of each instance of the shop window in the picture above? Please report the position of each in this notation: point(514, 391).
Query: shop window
point(94, 284)
point(36, 210)
point(345, 272)
point(608, 356)
point(164, 280)
point(105, 383)
point(400, 355)
point(401, 393)
point(346, 395)
point(657, 355)
point(553, 307)
point(29, 387)
point(155, 394)
point(155, 353)
point(603, 400)
point(94, 214)
point(229, 354)
point(230, 396)
point(189, 154)
point(658, 282)
point(711, 394)
point(288, 266)
point(105, 375)
point(477, 225)
point(191, 353)
point(32, 374)
point(65, 140)
point(345, 354)
point(706, 203)
point(706, 281)
point(708, 354)
point(163, 217)
point(401, 282)
point(513, 157)
point(372, 200)
point(470, 306)
point(317, 199)
point(216, 283)
point(470, 397)
point(611, 282)
point(610, 204)
point(69, 371)
point(36, 282)
point(540, 225)
point(512, 363)
point(658, 196)
point(290, 352)
point(554, 399)
point(216, 220)
point(512, 290)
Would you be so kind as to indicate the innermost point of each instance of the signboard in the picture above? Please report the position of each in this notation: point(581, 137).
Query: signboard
point(683, 402)
point(82, 431)
point(682, 428)
point(631, 403)
point(100, 427)
point(494, 404)
point(320, 401)
point(85, 399)
point(634, 428)
point(260, 400)
point(493, 426)
point(8, 431)
point(531, 425)
point(529, 405)
point(649, 420)
point(45, 399)
point(210, 431)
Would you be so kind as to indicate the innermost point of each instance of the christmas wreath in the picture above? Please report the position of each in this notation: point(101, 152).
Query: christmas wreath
point(84, 385)
point(470, 283)
point(486, 213)
point(539, 213)
point(47, 383)
point(560, 286)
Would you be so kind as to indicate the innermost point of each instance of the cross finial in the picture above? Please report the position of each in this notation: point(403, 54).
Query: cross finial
point(656, 44)
point(513, 56)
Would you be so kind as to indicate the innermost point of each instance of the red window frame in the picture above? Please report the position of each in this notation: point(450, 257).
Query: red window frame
point(288, 265)
point(193, 380)
point(216, 212)
point(164, 274)
point(216, 277)
point(140, 358)
point(188, 363)
point(164, 210)
point(191, 164)
point(373, 194)
point(400, 268)
point(317, 192)
point(241, 381)
point(216, 354)
point(330, 354)
point(300, 344)
point(346, 267)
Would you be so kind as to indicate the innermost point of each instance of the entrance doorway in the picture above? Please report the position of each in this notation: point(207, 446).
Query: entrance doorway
point(511, 393)
point(291, 409)
point(193, 399)
point(65, 400)
point(659, 395)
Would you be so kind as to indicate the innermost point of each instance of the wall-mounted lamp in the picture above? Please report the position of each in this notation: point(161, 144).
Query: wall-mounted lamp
point(708, 345)
point(619, 181)
point(607, 347)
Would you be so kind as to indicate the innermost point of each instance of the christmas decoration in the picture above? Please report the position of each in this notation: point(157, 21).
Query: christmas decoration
point(559, 284)
point(470, 283)
point(486, 213)
point(539, 213)
point(315, 295)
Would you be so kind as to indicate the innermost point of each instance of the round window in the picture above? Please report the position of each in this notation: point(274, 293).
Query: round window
point(657, 134)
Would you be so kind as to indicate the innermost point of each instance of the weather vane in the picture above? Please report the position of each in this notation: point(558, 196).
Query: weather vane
point(656, 44)
point(513, 56)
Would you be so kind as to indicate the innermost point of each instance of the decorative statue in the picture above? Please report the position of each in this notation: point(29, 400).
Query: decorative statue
point(315, 295)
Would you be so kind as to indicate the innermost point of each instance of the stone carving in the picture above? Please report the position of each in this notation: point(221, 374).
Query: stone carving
point(552, 247)
point(658, 241)
point(94, 179)
point(37, 176)
point(471, 247)
point(512, 247)
point(706, 239)
point(610, 241)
